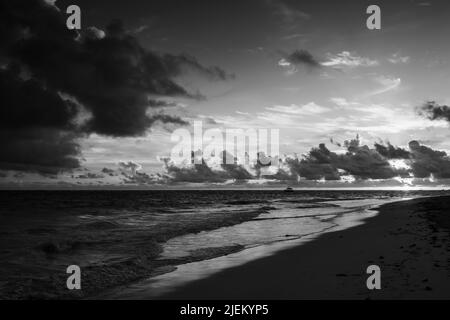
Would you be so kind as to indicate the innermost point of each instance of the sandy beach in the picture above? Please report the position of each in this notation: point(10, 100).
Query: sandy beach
point(408, 240)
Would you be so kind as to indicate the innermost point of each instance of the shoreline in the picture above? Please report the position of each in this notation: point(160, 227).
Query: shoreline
point(203, 265)
point(410, 250)
point(136, 264)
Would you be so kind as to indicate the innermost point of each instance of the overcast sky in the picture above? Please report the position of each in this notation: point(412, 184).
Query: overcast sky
point(310, 68)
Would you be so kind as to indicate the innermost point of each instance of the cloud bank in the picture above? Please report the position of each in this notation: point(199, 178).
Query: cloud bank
point(357, 162)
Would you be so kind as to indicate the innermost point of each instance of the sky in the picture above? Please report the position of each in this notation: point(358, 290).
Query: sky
point(97, 107)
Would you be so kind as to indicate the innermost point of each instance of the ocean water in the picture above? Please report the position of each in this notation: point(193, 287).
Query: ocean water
point(118, 237)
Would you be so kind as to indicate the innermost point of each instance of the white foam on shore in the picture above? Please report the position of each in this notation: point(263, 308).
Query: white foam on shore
point(349, 214)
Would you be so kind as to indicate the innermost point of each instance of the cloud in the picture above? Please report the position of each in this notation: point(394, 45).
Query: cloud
point(90, 175)
point(237, 172)
point(434, 111)
point(342, 102)
point(289, 14)
point(44, 150)
point(309, 108)
point(382, 162)
point(108, 171)
point(131, 172)
point(176, 63)
point(358, 165)
point(165, 118)
point(162, 103)
point(315, 165)
point(429, 162)
point(376, 119)
point(195, 173)
point(204, 172)
point(348, 59)
point(94, 33)
point(51, 75)
point(304, 58)
point(129, 166)
point(140, 29)
point(397, 58)
point(359, 161)
point(35, 126)
point(298, 58)
point(390, 152)
point(387, 84)
point(293, 36)
point(142, 178)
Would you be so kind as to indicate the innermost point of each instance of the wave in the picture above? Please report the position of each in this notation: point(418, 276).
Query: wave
point(111, 253)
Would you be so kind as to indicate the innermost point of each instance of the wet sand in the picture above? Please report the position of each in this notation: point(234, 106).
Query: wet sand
point(408, 240)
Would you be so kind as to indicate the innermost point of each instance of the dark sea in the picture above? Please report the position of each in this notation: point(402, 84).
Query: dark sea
point(120, 237)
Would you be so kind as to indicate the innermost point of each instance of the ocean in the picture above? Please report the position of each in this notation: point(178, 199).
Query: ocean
point(120, 237)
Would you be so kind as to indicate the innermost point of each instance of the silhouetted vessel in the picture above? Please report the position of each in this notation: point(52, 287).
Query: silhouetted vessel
point(288, 189)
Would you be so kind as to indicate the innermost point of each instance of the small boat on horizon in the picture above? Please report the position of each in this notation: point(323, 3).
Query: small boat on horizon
point(288, 189)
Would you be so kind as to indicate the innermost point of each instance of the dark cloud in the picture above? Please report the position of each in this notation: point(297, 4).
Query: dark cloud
point(197, 173)
point(110, 172)
point(178, 62)
point(165, 118)
point(390, 152)
point(320, 163)
point(203, 173)
point(44, 150)
point(209, 121)
point(434, 111)
point(317, 164)
point(360, 161)
point(428, 161)
point(28, 104)
point(90, 175)
point(366, 163)
point(234, 171)
point(302, 57)
point(36, 129)
point(140, 178)
point(107, 75)
point(161, 103)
